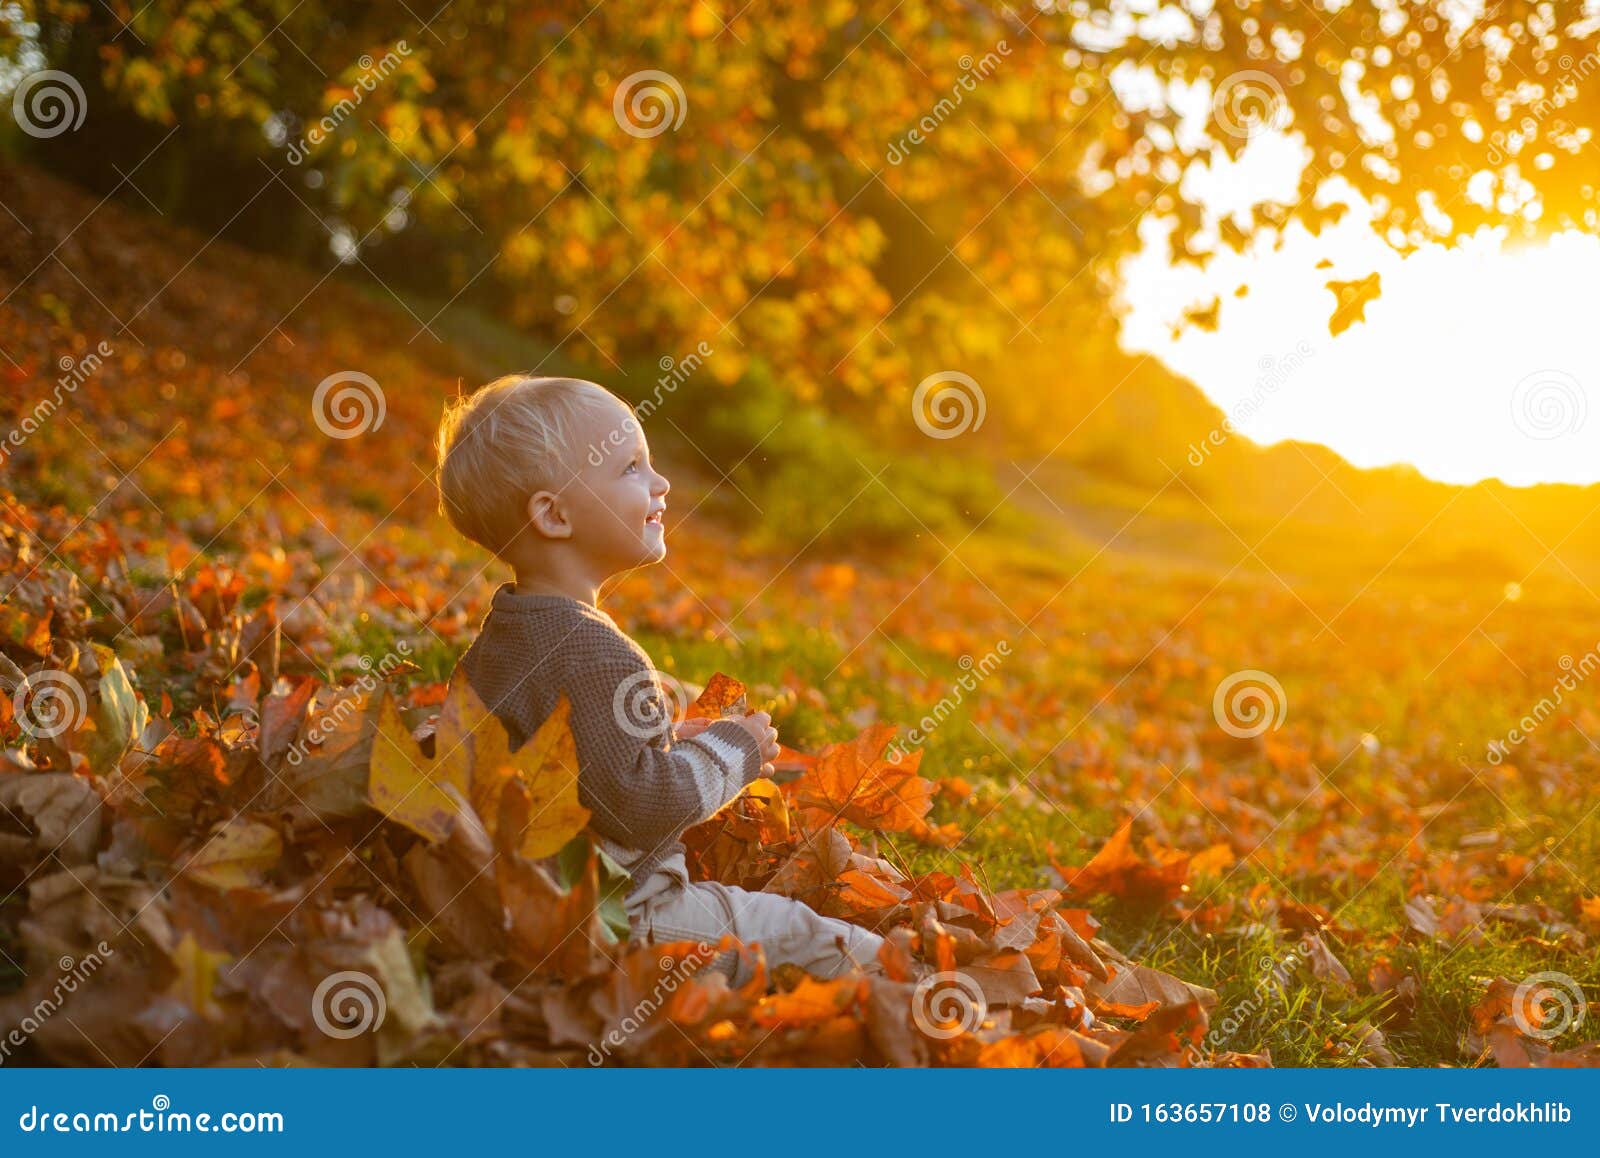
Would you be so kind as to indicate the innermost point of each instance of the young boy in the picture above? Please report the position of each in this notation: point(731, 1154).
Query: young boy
point(553, 475)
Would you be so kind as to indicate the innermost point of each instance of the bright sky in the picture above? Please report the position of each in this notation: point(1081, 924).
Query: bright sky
point(1474, 363)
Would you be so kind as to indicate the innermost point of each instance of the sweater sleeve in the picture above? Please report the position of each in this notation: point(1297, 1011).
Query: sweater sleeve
point(641, 789)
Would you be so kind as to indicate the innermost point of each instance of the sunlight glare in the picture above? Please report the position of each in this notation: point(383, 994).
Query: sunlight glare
point(1475, 362)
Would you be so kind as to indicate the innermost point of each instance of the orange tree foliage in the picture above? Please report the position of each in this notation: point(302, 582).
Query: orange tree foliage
point(790, 215)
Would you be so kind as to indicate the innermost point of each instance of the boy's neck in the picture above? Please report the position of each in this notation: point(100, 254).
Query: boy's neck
point(530, 582)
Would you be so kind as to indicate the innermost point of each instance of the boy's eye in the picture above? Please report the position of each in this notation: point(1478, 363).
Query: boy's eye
point(632, 466)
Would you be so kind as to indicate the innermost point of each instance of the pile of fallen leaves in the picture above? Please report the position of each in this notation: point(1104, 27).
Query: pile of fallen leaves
point(261, 881)
point(276, 835)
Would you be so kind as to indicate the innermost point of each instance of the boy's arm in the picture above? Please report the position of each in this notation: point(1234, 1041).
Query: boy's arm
point(639, 791)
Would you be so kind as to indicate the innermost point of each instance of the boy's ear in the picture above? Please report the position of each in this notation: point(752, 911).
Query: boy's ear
point(547, 515)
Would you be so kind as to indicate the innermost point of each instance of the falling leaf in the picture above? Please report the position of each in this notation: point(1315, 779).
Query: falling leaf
point(1351, 301)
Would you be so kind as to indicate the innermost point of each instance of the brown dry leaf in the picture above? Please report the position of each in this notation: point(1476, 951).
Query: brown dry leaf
point(1167, 1037)
point(1243, 1061)
point(1005, 978)
point(1420, 916)
point(1051, 1047)
point(888, 1023)
point(321, 752)
point(1497, 1027)
point(1403, 991)
point(1117, 870)
point(456, 893)
point(1586, 1056)
point(1019, 913)
point(1374, 1046)
point(281, 717)
point(337, 965)
point(61, 809)
point(75, 924)
point(1137, 986)
point(1589, 911)
point(749, 838)
point(549, 929)
point(810, 1002)
point(1324, 965)
point(1078, 950)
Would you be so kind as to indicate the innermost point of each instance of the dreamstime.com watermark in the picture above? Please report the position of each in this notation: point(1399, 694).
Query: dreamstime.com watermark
point(646, 703)
point(49, 702)
point(1250, 102)
point(1273, 976)
point(972, 71)
point(1577, 671)
point(1549, 404)
point(1274, 373)
point(974, 672)
point(74, 373)
point(948, 404)
point(674, 373)
point(648, 103)
point(73, 974)
point(348, 404)
point(48, 103)
point(156, 1120)
point(948, 1004)
point(675, 972)
point(332, 721)
point(1564, 90)
point(373, 73)
point(1248, 703)
point(348, 1004)
point(1547, 1005)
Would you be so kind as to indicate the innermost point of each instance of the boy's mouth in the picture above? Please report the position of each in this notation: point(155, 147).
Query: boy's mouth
point(654, 518)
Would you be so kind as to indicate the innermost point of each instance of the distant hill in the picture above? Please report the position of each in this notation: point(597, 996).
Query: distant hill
point(1105, 437)
point(1121, 435)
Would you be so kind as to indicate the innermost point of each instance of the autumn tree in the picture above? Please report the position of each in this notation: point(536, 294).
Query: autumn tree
point(849, 197)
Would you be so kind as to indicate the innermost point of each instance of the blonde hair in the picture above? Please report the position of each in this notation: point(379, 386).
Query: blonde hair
point(505, 441)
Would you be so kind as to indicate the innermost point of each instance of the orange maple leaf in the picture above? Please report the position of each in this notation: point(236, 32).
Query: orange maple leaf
point(855, 781)
point(1119, 871)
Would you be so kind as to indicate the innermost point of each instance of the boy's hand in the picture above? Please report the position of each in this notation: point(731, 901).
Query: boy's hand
point(759, 725)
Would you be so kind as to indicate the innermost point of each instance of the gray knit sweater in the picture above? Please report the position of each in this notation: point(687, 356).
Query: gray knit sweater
point(642, 789)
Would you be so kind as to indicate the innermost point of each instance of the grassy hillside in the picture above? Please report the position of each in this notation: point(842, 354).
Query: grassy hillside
point(184, 474)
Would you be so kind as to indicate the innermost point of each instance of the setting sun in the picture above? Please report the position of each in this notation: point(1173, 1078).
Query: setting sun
point(1474, 362)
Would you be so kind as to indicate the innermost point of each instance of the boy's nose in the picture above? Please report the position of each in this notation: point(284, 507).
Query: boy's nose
point(662, 486)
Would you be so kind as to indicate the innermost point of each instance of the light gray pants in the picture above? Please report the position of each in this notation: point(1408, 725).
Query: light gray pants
point(668, 907)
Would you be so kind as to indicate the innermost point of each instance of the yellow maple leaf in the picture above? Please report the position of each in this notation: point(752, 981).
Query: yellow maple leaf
point(547, 766)
point(196, 982)
point(237, 855)
point(472, 753)
point(401, 783)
